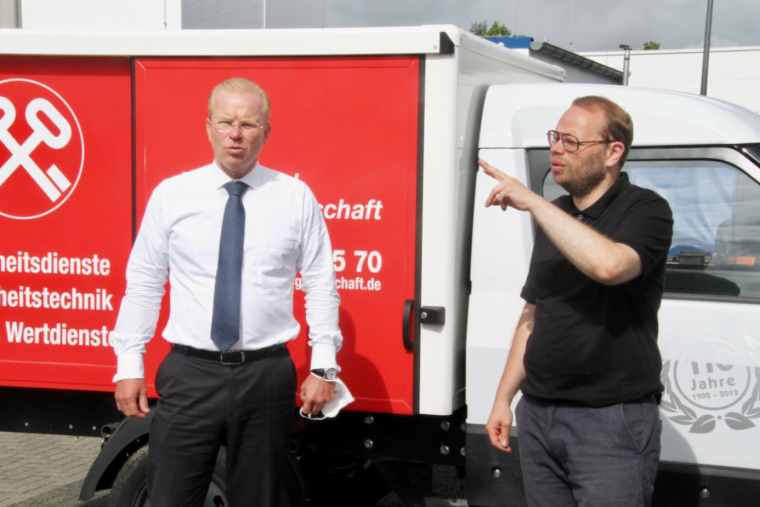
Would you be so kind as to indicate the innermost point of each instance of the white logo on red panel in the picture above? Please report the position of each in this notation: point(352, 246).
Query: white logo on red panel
point(41, 149)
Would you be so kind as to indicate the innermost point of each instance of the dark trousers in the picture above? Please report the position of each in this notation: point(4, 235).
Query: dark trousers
point(588, 457)
point(248, 408)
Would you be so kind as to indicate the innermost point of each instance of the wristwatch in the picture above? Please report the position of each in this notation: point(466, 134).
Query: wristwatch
point(328, 374)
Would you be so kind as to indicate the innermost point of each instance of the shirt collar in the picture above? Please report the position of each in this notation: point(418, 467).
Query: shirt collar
point(601, 204)
point(219, 178)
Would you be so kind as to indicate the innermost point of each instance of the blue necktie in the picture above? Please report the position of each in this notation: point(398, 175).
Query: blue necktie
point(225, 321)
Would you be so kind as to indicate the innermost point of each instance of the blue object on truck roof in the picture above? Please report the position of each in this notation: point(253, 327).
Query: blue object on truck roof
point(512, 42)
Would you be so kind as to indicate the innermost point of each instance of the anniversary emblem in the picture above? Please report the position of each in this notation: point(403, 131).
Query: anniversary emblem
point(700, 394)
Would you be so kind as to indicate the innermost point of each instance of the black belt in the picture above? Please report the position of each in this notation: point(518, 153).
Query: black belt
point(228, 358)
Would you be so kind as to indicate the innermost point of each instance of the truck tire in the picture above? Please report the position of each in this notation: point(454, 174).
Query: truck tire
point(342, 480)
point(130, 487)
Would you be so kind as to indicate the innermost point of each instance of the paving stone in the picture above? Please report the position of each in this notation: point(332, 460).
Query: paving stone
point(49, 470)
point(33, 467)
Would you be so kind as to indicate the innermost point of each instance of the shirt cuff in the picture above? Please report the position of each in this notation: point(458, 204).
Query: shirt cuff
point(129, 366)
point(323, 356)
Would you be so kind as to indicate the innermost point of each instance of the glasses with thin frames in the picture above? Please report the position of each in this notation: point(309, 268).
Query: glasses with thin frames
point(225, 127)
point(570, 143)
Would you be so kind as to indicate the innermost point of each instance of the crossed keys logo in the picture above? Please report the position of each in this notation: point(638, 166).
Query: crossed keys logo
point(45, 162)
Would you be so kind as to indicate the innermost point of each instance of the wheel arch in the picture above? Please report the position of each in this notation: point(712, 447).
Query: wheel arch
point(130, 435)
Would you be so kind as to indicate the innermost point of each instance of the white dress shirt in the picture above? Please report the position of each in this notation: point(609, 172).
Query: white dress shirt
point(179, 241)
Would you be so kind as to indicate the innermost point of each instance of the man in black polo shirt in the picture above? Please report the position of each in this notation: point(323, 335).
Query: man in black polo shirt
point(585, 350)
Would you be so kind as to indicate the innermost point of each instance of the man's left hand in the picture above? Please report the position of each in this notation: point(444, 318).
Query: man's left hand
point(315, 392)
point(509, 191)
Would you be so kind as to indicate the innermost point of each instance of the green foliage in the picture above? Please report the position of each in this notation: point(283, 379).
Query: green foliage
point(496, 29)
point(479, 28)
point(651, 45)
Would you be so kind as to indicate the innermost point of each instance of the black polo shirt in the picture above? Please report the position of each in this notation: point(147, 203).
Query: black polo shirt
point(594, 344)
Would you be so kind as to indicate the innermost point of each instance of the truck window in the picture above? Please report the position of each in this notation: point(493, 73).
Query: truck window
point(716, 231)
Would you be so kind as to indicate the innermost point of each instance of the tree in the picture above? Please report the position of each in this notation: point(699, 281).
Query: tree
point(479, 28)
point(651, 45)
point(497, 29)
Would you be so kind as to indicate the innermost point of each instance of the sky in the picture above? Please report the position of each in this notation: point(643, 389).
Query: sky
point(582, 25)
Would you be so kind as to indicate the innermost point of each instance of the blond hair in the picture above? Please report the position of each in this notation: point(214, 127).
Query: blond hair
point(241, 85)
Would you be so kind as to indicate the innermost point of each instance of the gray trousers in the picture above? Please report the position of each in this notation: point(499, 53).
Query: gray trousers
point(588, 457)
point(248, 408)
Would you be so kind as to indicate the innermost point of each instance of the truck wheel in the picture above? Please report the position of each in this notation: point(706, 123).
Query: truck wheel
point(342, 480)
point(130, 487)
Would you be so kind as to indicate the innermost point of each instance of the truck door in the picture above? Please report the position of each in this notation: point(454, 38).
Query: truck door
point(348, 128)
point(65, 217)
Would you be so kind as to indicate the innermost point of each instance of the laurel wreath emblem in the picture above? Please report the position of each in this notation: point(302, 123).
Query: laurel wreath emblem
point(686, 416)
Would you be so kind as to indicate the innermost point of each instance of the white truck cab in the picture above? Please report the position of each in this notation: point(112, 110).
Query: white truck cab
point(703, 156)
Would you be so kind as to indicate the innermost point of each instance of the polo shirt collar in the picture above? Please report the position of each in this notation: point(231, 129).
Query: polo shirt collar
point(596, 209)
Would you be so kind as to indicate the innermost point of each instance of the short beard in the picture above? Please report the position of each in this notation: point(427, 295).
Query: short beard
point(588, 176)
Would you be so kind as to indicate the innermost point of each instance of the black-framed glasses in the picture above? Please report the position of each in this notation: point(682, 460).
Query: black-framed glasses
point(569, 142)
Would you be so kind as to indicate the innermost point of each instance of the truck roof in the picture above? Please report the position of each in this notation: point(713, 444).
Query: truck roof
point(276, 42)
point(427, 39)
point(518, 116)
point(412, 40)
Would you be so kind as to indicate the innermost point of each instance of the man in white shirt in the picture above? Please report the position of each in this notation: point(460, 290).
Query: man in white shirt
point(229, 380)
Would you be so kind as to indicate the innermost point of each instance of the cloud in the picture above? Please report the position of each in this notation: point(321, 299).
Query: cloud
point(590, 25)
point(715, 42)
